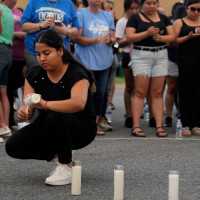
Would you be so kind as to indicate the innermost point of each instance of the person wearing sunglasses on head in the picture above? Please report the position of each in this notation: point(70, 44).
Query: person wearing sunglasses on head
point(187, 32)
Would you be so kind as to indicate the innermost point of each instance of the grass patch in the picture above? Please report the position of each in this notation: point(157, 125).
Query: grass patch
point(119, 80)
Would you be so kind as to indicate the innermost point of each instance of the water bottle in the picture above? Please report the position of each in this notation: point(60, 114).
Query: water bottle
point(146, 113)
point(179, 129)
point(109, 114)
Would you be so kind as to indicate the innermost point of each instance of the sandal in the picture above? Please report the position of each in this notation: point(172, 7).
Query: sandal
point(99, 131)
point(186, 131)
point(196, 131)
point(138, 133)
point(161, 133)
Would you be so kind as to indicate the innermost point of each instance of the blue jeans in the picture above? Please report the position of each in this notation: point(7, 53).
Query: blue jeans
point(101, 81)
point(5, 63)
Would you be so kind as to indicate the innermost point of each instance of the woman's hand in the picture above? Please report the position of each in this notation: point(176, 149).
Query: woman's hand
point(41, 104)
point(107, 39)
point(20, 35)
point(22, 113)
point(98, 39)
point(157, 38)
point(48, 22)
point(152, 31)
point(192, 35)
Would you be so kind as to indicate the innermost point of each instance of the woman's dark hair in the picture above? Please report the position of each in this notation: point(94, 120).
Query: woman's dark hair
point(85, 3)
point(142, 2)
point(174, 9)
point(127, 4)
point(75, 2)
point(189, 2)
point(52, 39)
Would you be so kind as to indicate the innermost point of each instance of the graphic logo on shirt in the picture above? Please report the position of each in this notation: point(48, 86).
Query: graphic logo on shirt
point(99, 27)
point(46, 12)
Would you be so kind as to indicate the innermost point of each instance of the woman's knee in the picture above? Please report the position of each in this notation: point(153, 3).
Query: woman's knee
point(11, 148)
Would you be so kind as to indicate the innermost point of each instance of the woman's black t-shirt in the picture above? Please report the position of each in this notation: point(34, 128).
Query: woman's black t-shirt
point(38, 79)
point(141, 26)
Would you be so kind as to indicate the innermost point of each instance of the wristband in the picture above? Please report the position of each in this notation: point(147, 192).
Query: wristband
point(45, 107)
point(40, 26)
point(68, 32)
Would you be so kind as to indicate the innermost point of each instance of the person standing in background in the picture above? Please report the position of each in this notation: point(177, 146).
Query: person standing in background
point(40, 15)
point(149, 31)
point(6, 38)
point(15, 75)
point(187, 31)
point(130, 7)
point(94, 48)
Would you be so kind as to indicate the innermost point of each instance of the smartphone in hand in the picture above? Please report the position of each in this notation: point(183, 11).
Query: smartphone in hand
point(58, 23)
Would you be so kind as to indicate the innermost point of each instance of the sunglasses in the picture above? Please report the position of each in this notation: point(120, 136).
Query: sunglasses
point(193, 9)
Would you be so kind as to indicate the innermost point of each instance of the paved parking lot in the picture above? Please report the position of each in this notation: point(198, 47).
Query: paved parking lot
point(147, 162)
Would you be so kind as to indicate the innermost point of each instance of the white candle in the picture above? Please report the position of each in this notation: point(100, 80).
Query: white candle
point(76, 178)
point(119, 182)
point(173, 185)
point(33, 99)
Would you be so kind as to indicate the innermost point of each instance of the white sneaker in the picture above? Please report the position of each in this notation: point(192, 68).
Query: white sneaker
point(1, 140)
point(61, 176)
point(5, 130)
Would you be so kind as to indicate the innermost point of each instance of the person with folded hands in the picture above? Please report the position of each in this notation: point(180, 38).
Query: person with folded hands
point(149, 31)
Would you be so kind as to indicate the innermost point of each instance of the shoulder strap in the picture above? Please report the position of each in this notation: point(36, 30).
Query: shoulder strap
point(148, 19)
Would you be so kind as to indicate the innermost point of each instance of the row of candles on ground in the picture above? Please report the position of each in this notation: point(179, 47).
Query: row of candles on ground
point(119, 182)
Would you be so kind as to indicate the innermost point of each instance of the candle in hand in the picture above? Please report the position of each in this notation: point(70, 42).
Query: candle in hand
point(33, 99)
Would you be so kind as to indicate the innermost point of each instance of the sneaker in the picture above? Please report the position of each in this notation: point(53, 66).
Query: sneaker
point(152, 122)
point(62, 175)
point(129, 122)
point(168, 122)
point(196, 131)
point(1, 140)
point(5, 130)
point(103, 124)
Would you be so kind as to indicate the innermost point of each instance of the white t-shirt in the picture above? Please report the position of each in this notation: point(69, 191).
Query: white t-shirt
point(120, 32)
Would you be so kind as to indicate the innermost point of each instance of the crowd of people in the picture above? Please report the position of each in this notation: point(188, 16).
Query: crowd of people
point(69, 56)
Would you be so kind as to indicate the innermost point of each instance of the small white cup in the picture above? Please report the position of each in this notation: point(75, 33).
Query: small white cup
point(22, 124)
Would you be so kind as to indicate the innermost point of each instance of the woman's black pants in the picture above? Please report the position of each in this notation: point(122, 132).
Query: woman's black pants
point(54, 133)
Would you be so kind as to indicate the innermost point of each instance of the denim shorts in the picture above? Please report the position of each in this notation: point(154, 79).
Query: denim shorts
point(5, 63)
point(152, 64)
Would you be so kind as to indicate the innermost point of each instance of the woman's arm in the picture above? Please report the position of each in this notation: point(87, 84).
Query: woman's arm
point(122, 42)
point(22, 112)
point(1, 29)
point(85, 40)
point(76, 103)
point(110, 40)
point(132, 36)
point(170, 37)
point(30, 27)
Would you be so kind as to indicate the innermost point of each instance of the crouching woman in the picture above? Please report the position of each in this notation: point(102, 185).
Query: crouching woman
point(66, 119)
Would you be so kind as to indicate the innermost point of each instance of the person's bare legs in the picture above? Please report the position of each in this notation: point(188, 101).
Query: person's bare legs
point(140, 92)
point(128, 92)
point(172, 85)
point(5, 104)
point(2, 120)
point(156, 89)
point(112, 92)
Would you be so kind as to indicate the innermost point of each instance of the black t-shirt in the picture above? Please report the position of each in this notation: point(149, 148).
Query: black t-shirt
point(141, 26)
point(38, 79)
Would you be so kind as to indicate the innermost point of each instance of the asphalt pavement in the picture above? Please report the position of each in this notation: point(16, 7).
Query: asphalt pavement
point(147, 162)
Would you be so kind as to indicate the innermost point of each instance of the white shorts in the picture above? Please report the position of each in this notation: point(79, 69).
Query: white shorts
point(153, 64)
point(173, 69)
